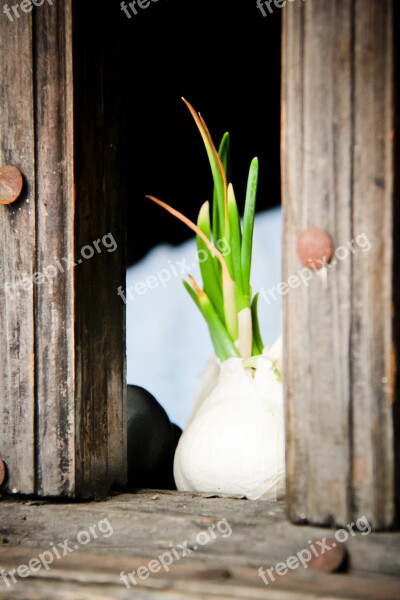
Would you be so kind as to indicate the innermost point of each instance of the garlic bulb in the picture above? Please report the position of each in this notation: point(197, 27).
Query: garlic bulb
point(234, 440)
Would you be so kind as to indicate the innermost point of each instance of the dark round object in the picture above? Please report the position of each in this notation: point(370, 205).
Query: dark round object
point(152, 440)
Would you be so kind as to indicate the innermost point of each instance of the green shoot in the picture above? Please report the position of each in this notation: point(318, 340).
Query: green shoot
point(225, 299)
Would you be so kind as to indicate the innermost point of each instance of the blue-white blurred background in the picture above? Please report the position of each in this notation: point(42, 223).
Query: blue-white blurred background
point(167, 339)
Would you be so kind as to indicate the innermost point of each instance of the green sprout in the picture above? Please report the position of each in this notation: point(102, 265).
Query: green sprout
point(226, 300)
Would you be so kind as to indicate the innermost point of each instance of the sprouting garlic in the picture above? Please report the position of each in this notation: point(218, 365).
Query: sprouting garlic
point(234, 441)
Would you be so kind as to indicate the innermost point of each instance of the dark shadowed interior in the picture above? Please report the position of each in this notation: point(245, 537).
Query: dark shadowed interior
point(224, 58)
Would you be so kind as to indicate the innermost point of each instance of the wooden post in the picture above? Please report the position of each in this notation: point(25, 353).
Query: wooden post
point(62, 361)
point(338, 174)
point(17, 247)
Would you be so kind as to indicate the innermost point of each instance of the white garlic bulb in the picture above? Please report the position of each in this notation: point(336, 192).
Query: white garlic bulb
point(234, 441)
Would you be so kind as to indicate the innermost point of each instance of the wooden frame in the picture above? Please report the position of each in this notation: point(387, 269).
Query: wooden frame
point(62, 373)
point(62, 366)
point(338, 174)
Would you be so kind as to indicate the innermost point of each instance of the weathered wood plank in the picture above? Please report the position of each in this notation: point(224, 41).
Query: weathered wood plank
point(100, 215)
point(395, 370)
point(62, 374)
point(144, 526)
point(148, 523)
point(100, 577)
point(373, 432)
point(17, 248)
point(54, 318)
point(338, 334)
point(79, 317)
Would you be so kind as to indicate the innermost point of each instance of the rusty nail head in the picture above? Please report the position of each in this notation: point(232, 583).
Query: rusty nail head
point(331, 555)
point(10, 184)
point(315, 247)
point(3, 472)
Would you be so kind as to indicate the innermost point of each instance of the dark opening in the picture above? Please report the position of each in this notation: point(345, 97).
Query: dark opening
point(224, 58)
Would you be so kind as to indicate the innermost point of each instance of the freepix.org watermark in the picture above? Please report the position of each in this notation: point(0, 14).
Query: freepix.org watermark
point(66, 263)
point(266, 7)
point(131, 8)
point(318, 548)
point(171, 270)
point(304, 275)
point(25, 6)
point(176, 552)
point(57, 551)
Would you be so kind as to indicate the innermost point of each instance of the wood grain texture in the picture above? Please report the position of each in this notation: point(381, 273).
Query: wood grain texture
point(17, 248)
point(373, 465)
point(54, 318)
point(337, 157)
point(395, 371)
point(100, 205)
point(62, 373)
point(98, 578)
point(146, 524)
point(80, 319)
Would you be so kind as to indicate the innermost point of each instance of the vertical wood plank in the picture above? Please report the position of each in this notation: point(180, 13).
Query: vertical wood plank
point(80, 325)
point(54, 320)
point(337, 118)
point(395, 370)
point(317, 187)
point(371, 335)
point(100, 211)
point(17, 248)
point(62, 401)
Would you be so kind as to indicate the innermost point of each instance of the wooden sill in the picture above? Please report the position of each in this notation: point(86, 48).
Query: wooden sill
point(146, 524)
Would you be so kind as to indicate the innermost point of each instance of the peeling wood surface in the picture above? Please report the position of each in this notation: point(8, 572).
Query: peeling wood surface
point(145, 525)
point(337, 157)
